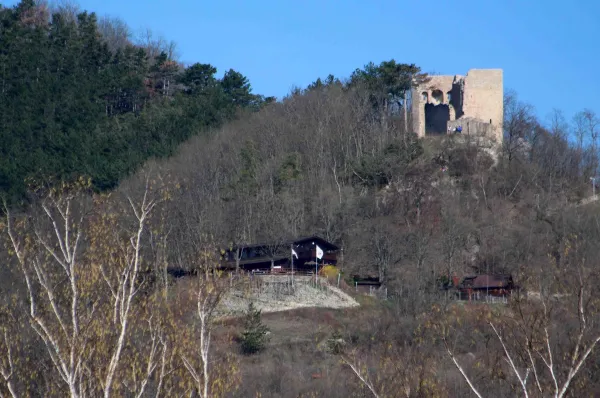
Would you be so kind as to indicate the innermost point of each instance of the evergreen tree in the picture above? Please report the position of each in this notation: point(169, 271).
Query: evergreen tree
point(388, 83)
point(71, 106)
point(255, 335)
point(199, 78)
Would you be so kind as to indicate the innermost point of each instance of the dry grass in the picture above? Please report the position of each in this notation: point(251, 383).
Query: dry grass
point(277, 293)
point(295, 362)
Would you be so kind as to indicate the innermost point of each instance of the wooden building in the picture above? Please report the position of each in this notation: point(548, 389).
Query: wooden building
point(277, 256)
point(366, 285)
point(478, 287)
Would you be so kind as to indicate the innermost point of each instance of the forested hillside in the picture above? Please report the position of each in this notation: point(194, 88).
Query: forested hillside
point(79, 98)
point(89, 305)
point(335, 160)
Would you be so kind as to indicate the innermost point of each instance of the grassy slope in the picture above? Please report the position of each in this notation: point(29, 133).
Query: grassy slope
point(296, 361)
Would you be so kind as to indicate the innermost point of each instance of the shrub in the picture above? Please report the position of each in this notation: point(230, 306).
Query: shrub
point(336, 343)
point(329, 271)
point(255, 335)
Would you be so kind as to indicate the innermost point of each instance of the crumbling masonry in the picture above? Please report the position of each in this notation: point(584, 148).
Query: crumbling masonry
point(474, 102)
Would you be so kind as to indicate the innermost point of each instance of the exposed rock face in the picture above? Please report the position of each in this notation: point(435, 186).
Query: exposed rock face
point(474, 102)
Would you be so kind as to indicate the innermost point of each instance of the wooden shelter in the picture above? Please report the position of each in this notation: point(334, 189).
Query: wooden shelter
point(277, 256)
point(476, 287)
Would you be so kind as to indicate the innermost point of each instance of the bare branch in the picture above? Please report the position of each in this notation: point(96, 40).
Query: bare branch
point(522, 379)
point(362, 378)
point(460, 369)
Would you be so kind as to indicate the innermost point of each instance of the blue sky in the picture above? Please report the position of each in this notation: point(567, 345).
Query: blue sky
point(547, 48)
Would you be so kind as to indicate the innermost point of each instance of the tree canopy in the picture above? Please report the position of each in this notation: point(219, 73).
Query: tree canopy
point(73, 102)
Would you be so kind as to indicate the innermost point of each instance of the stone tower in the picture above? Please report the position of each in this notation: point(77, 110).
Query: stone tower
point(474, 102)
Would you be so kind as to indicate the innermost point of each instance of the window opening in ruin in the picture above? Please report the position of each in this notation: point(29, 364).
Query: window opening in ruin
point(425, 96)
point(437, 96)
point(456, 100)
point(449, 96)
point(436, 118)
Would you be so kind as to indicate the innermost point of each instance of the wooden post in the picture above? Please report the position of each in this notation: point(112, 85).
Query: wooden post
point(405, 115)
point(292, 257)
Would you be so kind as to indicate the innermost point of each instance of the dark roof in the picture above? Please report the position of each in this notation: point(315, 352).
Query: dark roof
point(252, 245)
point(323, 244)
point(487, 281)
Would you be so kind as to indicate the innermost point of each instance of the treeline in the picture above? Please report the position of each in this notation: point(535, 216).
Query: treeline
point(78, 98)
point(334, 161)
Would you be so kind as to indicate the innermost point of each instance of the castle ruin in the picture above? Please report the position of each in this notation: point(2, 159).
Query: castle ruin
point(473, 103)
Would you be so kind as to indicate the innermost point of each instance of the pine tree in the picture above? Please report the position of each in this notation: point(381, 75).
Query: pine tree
point(71, 106)
point(255, 335)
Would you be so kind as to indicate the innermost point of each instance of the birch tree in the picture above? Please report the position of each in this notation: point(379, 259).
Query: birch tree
point(47, 247)
point(388, 370)
point(118, 247)
point(82, 274)
point(7, 362)
point(211, 377)
point(547, 342)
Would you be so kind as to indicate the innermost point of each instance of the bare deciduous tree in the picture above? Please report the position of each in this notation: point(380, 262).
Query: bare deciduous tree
point(68, 254)
point(519, 123)
point(7, 361)
point(206, 373)
point(541, 356)
point(115, 32)
point(47, 249)
point(122, 276)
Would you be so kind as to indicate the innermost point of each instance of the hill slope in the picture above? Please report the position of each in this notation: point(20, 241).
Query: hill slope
point(89, 308)
point(76, 100)
point(277, 293)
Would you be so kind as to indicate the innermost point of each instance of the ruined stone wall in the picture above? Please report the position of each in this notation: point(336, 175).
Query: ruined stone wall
point(472, 126)
point(484, 98)
point(424, 95)
point(475, 99)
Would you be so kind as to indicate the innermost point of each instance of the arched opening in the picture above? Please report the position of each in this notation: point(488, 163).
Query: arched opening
point(436, 118)
point(437, 97)
point(425, 97)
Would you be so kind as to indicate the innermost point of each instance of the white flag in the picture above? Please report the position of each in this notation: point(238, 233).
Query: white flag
point(319, 253)
point(294, 253)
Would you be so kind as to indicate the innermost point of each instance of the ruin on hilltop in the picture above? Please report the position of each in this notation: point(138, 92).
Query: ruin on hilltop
point(472, 104)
